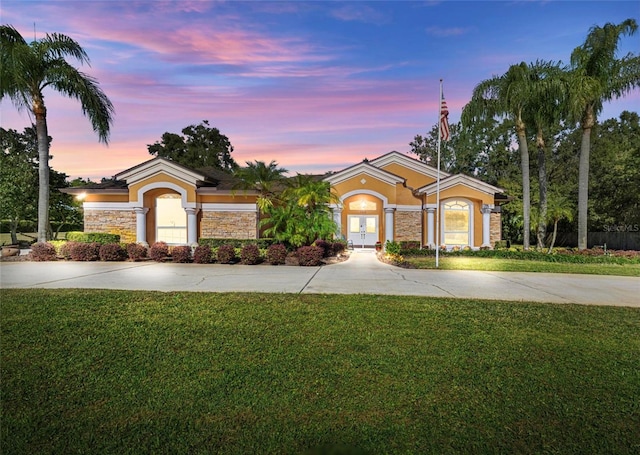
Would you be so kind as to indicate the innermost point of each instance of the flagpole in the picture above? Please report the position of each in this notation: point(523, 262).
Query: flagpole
point(438, 179)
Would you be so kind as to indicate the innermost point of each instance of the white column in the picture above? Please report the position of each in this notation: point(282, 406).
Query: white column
point(486, 225)
point(192, 225)
point(388, 224)
point(431, 243)
point(337, 218)
point(141, 224)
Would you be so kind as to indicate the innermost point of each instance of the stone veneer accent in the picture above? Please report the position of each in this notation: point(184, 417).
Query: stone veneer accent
point(495, 228)
point(228, 225)
point(408, 225)
point(118, 222)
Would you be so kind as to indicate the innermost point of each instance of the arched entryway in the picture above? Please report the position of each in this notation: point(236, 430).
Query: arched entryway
point(171, 219)
point(363, 219)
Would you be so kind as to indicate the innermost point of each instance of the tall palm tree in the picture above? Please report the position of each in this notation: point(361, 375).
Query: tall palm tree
point(509, 96)
point(598, 76)
point(548, 86)
point(26, 69)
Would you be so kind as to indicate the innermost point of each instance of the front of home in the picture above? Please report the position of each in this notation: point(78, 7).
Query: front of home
point(392, 197)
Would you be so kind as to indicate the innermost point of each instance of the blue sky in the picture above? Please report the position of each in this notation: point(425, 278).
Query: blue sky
point(316, 86)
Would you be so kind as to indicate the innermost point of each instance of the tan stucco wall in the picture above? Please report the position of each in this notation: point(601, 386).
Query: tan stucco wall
point(159, 179)
point(413, 179)
point(96, 197)
point(238, 198)
point(371, 184)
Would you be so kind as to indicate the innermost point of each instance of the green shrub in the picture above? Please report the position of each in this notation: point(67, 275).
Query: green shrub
point(43, 251)
point(65, 250)
point(250, 254)
point(202, 254)
point(58, 244)
point(159, 251)
point(181, 254)
point(112, 252)
point(392, 247)
point(309, 256)
point(136, 252)
point(81, 251)
point(226, 254)
point(276, 254)
point(263, 244)
point(93, 237)
point(409, 245)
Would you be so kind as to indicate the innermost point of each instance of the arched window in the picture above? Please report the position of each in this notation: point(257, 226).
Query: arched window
point(171, 219)
point(456, 222)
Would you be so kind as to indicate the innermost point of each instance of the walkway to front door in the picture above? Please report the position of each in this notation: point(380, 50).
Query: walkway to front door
point(363, 230)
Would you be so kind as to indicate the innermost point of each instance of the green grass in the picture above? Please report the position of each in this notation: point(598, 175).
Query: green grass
point(516, 265)
point(86, 371)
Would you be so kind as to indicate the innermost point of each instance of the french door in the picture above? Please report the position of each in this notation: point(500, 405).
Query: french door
point(363, 230)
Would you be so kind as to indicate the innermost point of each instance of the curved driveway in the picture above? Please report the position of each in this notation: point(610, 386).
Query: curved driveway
point(361, 274)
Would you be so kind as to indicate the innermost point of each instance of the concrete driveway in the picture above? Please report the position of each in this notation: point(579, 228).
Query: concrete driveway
point(361, 274)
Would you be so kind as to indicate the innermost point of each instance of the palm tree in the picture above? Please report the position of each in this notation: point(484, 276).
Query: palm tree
point(598, 76)
point(548, 84)
point(26, 70)
point(509, 96)
point(266, 178)
point(559, 208)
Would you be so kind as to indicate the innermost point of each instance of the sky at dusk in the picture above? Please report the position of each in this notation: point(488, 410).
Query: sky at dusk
point(316, 86)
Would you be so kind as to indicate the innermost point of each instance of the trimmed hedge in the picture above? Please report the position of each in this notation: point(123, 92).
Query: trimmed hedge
point(226, 254)
point(112, 252)
point(250, 254)
point(159, 251)
point(43, 251)
point(81, 251)
point(263, 244)
point(202, 254)
point(136, 252)
point(181, 254)
point(309, 256)
point(93, 237)
point(276, 254)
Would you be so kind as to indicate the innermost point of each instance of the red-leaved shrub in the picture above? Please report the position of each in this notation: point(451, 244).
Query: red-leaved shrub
point(310, 255)
point(226, 254)
point(136, 252)
point(43, 251)
point(112, 252)
point(81, 251)
point(159, 251)
point(250, 254)
point(202, 254)
point(65, 249)
point(337, 248)
point(326, 247)
point(276, 254)
point(181, 254)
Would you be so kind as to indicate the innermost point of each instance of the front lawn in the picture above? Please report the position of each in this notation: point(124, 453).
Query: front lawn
point(87, 371)
point(520, 265)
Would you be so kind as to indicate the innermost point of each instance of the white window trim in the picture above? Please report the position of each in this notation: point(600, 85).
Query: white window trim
point(471, 221)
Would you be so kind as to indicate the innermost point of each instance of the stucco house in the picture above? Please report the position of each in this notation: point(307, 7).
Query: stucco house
point(392, 197)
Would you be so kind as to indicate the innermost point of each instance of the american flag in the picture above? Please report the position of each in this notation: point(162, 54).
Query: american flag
point(444, 120)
